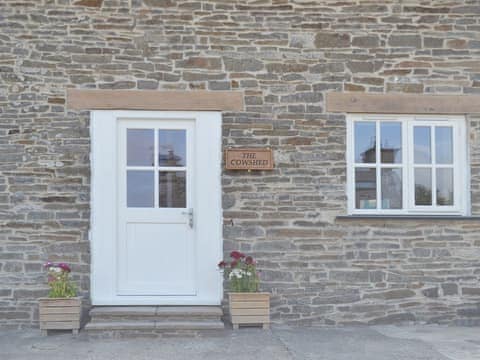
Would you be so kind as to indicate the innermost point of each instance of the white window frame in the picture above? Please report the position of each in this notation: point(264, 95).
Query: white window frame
point(460, 165)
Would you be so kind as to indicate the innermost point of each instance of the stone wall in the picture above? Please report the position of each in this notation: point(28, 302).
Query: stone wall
point(284, 56)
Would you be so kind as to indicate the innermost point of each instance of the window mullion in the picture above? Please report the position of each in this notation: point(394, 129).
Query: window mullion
point(410, 175)
point(378, 165)
point(434, 168)
point(456, 167)
point(405, 170)
point(156, 176)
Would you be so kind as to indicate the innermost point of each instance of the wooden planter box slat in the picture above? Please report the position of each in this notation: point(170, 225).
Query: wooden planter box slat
point(248, 311)
point(250, 296)
point(254, 319)
point(60, 314)
point(60, 310)
point(46, 302)
point(252, 305)
point(57, 317)
point(59, 325)
point(249, 308)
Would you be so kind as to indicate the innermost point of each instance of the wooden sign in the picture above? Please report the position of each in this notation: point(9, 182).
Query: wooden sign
point(248, 159)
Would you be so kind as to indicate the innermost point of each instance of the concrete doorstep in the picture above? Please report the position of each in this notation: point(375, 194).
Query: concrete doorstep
point(279, 343)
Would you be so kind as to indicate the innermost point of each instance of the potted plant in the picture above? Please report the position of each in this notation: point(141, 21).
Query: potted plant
point(247, 305)
point(62, 309)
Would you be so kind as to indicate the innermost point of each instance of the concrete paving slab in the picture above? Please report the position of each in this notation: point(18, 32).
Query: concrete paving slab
point(279, 343)
point(352, 344)
point(462, 343)
point(249, 344)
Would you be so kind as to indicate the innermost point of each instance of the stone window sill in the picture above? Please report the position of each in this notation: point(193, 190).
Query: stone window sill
point(408, 217)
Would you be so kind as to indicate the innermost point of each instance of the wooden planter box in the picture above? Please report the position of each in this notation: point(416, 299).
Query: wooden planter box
point(249, 309)
point(60, 314)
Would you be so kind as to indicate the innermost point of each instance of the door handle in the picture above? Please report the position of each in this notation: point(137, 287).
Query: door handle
point(189, 213)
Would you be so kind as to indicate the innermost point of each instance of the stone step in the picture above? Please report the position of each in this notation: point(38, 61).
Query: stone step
point(118, 320)
point(153, 313)
point(154, 325)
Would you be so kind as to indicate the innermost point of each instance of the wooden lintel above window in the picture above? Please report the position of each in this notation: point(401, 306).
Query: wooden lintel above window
point(402, 103)
point(80, 99)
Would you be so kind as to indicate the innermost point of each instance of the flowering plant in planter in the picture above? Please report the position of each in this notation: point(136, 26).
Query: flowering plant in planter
point(241, 272)
point(59, 281)
point(247, 306)
point(62, 309)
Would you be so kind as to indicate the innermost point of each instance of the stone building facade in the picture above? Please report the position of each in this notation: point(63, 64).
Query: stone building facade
point(284, 56)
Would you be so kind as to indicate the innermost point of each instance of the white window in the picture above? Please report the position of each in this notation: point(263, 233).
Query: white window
point(404, 165)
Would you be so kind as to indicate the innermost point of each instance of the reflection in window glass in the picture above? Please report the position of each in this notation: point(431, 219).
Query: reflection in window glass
point(140, 147)
point(365, 188)
point(445, 187)
point(172, 148)
point(423, 186)
point(444, 145)
point(391, 142)
point(140, 188)
point(391, 188)
point(422, 145)
point(365, 142)
point(172, 189)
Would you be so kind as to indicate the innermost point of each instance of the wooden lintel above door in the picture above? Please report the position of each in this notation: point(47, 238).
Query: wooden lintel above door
point(83, 99)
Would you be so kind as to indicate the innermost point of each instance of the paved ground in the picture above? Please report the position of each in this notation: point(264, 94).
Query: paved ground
point(369, 343)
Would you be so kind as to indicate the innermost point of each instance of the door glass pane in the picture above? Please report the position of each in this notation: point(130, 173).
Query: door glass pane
point(365, 142)
point(422, 141)
point(140, 188)
point(391, 142)
point(365, 188)
point(391, 188)
point(444, 144)
point(140, 147)
point(445, 187)
point(172, 189)
point(172, 148)
point(423, 186)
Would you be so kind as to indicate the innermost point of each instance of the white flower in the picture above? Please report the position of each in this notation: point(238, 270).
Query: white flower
point(238, 273)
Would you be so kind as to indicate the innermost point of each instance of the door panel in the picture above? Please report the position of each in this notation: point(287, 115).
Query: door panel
point(154, 264)
point(156, 241)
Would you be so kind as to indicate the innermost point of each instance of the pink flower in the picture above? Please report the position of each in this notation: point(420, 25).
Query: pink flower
point(222, 264)
point(237, 255)
point(249, 260)
point(233, 264)
point(64, 267)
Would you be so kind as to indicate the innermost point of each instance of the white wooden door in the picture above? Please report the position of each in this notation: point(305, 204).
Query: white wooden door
point(156, 233)
point(156, 208)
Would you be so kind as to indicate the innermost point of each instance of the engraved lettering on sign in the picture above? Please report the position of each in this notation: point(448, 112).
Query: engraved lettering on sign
point(248, 159)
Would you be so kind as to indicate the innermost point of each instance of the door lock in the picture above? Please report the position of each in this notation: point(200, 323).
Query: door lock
point(189, 213)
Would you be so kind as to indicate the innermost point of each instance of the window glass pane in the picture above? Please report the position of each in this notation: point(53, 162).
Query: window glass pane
point(172, 189)
point(140, 188)
point(445, 187)
point(365, 142)
point(172, 148)
point(140, 147)
point(444, 144)
point(423, 186)
point(422, 141)
point(391, 142)
point(391, 188)
point(365, 188)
